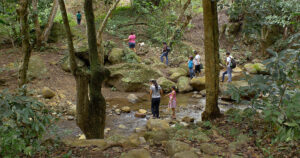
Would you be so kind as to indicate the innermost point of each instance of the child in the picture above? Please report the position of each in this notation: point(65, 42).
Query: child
point(172, 101)
point(191, 67)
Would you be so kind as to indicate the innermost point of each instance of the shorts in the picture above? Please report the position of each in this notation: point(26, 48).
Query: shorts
point(197, 68)
point(131, 45)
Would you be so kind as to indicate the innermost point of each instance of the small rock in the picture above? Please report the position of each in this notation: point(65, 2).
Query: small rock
point(70, 118)
point(157, 125)
point(142, 111)
point(187, 119)
point(125, 109)
point(142, 140)
point(174, 147)
point(48, 93)
point(132, 98)
point(186, 154)
point(210, 148)
point(122, 126)
point(106, 130)
point(82, 137)
point(184, 124)
point(139, 129)
point(139, 115)
point(195, 92)
point(118, 111)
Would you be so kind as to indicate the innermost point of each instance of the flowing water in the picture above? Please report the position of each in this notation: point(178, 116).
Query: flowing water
point(186, 106)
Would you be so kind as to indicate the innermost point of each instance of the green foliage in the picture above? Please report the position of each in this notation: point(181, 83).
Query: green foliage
point(277, 94)
point(23, 123)
point(131, 57)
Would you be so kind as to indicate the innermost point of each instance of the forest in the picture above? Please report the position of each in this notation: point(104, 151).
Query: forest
point(150, 78)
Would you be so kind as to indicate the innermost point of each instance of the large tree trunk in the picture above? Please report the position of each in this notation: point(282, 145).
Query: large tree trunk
point(94, 128)
point(36, 23)
point(211, 43)
point(26, 50)
point(46, 32)
point(101, 29)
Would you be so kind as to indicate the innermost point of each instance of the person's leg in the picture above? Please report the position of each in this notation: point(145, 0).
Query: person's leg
point(167, 60)
point(223, 76)
point(79, 21)
point(152, 107)
point(173, 115)
point(162, 57)
point(157, 108)
point(229, 71)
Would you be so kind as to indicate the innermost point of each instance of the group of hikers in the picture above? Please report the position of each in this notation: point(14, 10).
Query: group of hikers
point(194, 65)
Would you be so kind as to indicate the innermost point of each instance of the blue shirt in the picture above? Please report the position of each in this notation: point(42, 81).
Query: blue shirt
point(191, 64)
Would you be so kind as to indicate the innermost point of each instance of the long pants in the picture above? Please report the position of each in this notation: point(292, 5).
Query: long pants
point(191, 70)
point(155, 107)
point(78, 21)
point(162, 58)
point(229, 72)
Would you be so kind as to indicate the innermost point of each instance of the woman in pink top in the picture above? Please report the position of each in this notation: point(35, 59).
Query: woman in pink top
point(131, 41)
point(172, 101)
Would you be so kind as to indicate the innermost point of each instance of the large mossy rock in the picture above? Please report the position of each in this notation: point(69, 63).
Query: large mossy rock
point(198, 83)
point(165, 84)
point(174, 147)
point(136, 153)
point(57, 32)
point(256, 68)
point(209, 148)
point(157, 125)
point(232, 28)
point(130, 77)
point(183, 84)
point(36, 68)
point(177, 60)
point(177, 73)
point(116, 55)
point(65, 63)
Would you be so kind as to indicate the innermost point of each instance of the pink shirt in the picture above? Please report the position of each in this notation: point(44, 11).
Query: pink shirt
point(131, 38)
point(173, 96)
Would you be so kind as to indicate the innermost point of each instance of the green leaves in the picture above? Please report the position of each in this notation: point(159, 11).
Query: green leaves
point(23, 122)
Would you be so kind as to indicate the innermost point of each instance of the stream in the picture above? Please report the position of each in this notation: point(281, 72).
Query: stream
point(186, 106)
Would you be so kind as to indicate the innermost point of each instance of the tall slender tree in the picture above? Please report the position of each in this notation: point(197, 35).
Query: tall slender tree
point(26, 48)
point(211, 44)
point(91, 105)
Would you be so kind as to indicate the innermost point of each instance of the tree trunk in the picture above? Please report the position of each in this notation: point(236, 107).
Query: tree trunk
point(101, 29)
point(26, 50)
point(211, 44)
point(94, 128)
point(36, 23)
point(263, 40)
point(44, 36)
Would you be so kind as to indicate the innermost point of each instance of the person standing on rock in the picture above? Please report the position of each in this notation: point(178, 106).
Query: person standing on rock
point(131, 41)
point(78, 16)
point(197, 63)
point(172, 101)
point(155, 93)
point(228, 67)
point(165, 52)
point(191, 66)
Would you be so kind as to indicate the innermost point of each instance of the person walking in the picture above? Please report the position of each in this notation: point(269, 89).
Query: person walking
point(172, 101)
point(165, 52)
point(228, 67)
point(191, 66)
point(197, 64)
point(155, 93)
point(131, 41)
point(78, 16)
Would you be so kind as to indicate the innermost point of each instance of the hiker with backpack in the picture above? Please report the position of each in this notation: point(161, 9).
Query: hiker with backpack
point(78, 17)
point(165, 52)
point(230, 64)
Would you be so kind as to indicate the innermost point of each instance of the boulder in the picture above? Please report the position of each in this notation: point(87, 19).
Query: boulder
point(184, 66)
point(193, 135)
point(177, 60)
point(209, 148)
point(140, 115)
point(57, 32)
point(256, 68)
point(36, 68)
point(176, 73)
point(159, 66)
point(165, 84)
point(183, 84)
point(132, 98)
point(131, 77)
point(147, 61)
point(125, 109)
point(156, 137)
point(48, 93)
point(186, 154)
point(198, 83)
point(232, 28)
point(136, 153)
point(142, 111)
point(65, 63)
point(116, 55)
point(157, 125)
point(174, 147)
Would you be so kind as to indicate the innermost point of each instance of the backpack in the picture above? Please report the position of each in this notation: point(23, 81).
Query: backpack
point(232, 63)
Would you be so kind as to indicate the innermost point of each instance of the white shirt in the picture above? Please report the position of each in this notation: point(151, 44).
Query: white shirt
point(197, 59)
point(228, 59)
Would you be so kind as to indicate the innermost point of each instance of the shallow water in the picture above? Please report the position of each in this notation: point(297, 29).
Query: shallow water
point(186, 106)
